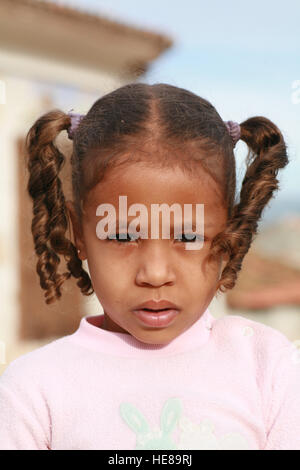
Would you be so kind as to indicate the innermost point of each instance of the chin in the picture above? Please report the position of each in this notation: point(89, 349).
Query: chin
point(154, 336)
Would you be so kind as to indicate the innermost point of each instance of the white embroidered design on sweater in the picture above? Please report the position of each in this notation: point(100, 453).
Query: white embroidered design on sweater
point(192, 436)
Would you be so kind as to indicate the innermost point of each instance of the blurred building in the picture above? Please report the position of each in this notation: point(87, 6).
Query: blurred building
point(51, 56)
point(268, 285)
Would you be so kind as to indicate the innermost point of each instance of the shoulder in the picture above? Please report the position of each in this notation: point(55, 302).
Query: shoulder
point(247, 334)
point(39, 365)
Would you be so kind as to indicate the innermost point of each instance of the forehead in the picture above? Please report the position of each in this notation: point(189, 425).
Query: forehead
point(144, 182)
point(146, 185)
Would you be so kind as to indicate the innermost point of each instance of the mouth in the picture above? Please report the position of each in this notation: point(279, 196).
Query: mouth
point(155, 310)
point(156, 318)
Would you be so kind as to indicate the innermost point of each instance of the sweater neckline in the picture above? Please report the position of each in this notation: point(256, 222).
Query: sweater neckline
point(90, 335)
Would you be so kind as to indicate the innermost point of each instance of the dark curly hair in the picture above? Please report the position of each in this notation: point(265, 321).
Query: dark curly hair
point(148, 119)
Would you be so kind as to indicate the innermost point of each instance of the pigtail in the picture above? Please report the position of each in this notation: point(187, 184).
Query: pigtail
point(267, 155)
point(50, 219)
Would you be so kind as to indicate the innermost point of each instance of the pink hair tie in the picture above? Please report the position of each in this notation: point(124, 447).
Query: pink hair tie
point(75, 121)
point(234, 130)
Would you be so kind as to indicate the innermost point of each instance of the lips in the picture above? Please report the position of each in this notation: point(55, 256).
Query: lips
point(156, 313)
point(155, 305)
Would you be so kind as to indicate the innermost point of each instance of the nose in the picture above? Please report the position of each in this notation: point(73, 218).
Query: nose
point(155, 266)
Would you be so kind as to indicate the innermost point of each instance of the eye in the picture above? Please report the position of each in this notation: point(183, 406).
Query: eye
point(132, 237)
point(122, 240)
point(192, 237)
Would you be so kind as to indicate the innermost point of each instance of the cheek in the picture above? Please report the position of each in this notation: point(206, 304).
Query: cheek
point(199, 258)
point(210, 267)
point(106, 281)
point(107, 267)
point(104, 270)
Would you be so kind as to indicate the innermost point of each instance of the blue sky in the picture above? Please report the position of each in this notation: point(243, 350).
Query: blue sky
point(241, 56)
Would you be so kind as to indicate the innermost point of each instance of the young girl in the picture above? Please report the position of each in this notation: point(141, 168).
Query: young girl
point(156, 370)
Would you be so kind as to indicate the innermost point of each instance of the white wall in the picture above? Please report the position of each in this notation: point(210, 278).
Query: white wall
point(25, 86)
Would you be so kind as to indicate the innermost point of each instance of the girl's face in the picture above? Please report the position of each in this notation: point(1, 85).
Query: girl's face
point(125, 273)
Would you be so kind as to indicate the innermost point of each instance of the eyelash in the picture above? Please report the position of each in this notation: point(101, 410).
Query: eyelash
point(124, 240)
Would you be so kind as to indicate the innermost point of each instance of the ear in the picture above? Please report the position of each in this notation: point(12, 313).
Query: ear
point(78, 236)
point(224, 260)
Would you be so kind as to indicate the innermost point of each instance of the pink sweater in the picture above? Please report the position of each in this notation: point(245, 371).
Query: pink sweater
point(227, 383)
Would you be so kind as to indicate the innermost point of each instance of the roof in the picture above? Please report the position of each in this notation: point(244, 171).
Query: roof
point(65, 34)
point(261, 276)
